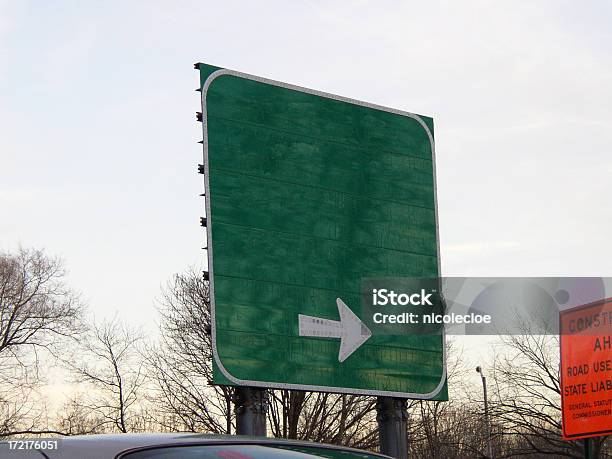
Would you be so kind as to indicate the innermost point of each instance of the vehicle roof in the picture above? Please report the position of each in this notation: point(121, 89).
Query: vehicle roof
point(107, 446)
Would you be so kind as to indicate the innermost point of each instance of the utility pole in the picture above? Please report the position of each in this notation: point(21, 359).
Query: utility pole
point(486, 410)
point(392, 417)
point(251, 406)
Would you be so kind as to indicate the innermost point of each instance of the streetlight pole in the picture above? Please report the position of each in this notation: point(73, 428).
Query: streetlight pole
point(486, 409)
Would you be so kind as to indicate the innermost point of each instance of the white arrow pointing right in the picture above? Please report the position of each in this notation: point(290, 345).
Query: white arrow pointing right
point(350, 329)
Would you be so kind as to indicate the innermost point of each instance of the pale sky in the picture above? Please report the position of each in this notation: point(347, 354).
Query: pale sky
point(98, 152)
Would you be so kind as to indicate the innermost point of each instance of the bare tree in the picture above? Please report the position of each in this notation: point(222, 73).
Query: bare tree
point(526, 400)
point(36, 306)
point(110, 366)
point(37, 311)
point(182, 364)
point(78, 419)
point(340, 419)
point(445, 429)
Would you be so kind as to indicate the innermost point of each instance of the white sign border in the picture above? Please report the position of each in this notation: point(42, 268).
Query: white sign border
point(276, 385)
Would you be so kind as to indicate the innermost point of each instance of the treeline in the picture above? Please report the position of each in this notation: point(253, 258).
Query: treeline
point(125, 381)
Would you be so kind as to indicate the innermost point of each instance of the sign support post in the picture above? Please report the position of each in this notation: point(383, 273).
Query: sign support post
point(392, 417)
point(251, 406)
point(590, 449)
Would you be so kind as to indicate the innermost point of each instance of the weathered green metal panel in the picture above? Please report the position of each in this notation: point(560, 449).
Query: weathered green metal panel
point(307, 194)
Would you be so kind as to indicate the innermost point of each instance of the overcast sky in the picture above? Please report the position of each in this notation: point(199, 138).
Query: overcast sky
point(98, 152)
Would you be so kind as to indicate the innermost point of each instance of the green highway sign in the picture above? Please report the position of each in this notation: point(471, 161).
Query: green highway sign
point(307, 195)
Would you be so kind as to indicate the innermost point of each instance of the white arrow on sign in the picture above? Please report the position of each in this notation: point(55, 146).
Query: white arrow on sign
point(350, 329)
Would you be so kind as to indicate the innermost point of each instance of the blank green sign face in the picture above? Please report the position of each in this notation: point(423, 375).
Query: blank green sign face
point(307, 194)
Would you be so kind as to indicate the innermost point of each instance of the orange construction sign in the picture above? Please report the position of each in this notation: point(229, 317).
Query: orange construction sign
point(586, 370)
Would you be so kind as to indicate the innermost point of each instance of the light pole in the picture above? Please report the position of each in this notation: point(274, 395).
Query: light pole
point(486, 409)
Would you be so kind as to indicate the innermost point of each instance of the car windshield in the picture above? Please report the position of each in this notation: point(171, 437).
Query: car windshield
point(245, 452)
